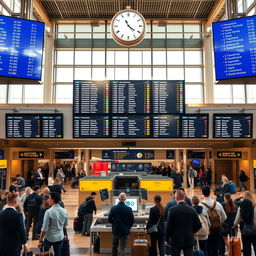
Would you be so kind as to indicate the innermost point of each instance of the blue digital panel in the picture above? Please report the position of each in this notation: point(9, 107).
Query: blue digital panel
point(131, 167)
point(133, 154)
point(21, 48)
point(235, 48)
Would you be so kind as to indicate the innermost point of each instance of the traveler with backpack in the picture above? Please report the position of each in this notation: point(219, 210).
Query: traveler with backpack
point(89, 208)
point(32, 208)
point(216, 216)
point(203, 233)
point(242, 179)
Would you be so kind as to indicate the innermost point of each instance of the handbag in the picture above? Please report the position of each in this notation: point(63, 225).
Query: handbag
point(249, 230)
point(154, 228)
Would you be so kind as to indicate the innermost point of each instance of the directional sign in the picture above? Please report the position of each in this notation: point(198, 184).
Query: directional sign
point(229, 154)
point(31, 154)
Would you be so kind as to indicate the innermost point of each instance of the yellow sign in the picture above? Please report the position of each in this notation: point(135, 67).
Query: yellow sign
point(95, 185)
point(254, 163)
point(157, 185)
point(3, 164)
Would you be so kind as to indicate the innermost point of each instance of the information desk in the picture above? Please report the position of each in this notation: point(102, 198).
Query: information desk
point(103, 229)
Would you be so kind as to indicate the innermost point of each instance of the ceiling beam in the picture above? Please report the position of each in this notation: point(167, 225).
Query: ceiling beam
point(42, 13)
point(217, 8)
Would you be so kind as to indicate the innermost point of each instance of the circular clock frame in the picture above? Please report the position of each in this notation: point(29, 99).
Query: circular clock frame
point(125, 42)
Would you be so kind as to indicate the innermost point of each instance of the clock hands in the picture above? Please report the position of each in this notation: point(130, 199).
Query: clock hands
point(132, 29)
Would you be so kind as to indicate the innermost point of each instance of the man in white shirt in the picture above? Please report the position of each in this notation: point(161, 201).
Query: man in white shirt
point(214, 239)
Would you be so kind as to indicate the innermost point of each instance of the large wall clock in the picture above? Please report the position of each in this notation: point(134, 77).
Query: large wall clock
point(128, 27)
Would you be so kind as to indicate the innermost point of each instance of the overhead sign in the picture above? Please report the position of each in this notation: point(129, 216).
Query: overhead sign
point(170, 154)
point(196, 154)
point(65, 155)
point(127, 154)
point(229, 154)
point(3, 164)
point(131, 167)
point(1, 154)
point(31, 154)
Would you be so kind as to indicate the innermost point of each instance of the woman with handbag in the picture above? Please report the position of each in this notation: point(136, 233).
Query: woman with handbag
point(246, 217)
point(155, 227)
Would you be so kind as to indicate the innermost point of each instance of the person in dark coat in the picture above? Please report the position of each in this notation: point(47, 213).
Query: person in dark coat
point(208, 177)
point(177, 179)
point(122, 219)
point(242, 179)
point(12, 231)
point(156, 216)
point(182, 224)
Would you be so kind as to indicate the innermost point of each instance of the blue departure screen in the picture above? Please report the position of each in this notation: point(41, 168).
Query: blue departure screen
point(21, 48)
point(235, 48)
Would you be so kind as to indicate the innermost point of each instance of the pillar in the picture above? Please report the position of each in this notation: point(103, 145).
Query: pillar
point(185, 184)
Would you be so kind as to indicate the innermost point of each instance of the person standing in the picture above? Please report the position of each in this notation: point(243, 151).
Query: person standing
point(12, 231)
point(192, 174)
point(182, 224)
point(21, 184)
point(88, 210)
point(208, 177)
point(61, 176)
point(177, 179)
point(52, 232)
point(38, 177)
point(32, 208)
point(13, 187)
point(156, 217)
point(122, 219)
point(242, 179)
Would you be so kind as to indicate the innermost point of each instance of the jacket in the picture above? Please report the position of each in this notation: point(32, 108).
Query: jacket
point(12, 232)
point(154, 217)
point(182, 224)
point(121, 218)
point(90, 206)
point(38, 198)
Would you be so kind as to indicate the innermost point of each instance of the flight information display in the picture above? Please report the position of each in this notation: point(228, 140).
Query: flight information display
point(130, 97)
point(95, 126)
point(166, 126)
point(90, 97)
point(195, 126)
point(235, 48)
point(131, 127)
point(168, 97)
point(233, 125)
point(21, 48)
point(34, 125)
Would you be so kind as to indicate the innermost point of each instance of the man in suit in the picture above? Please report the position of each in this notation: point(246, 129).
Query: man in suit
point(122, 219)
point(182, 224)
point(12, 230)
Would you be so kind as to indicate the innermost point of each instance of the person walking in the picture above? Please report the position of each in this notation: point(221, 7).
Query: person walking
point(122, 219)
point(182, 224)
point(61, 176)
point(208, 177)
point(177, 179)
point(156, 217)
point(52, 232)
point(32, 208)
point(21, 184)
point(88, 210)
point(192, 174)
point(242, 179)
point(12, 231)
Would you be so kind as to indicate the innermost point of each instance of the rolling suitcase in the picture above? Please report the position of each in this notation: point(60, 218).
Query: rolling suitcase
point(234, 246)
point(78, 224)
point(197, 251)
point(140, 247)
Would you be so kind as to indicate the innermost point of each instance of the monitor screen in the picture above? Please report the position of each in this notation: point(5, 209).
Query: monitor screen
point(195, 162)
point(104, 194)
point(234, 48)
point(130, 201)
point(144, 194)
point(21, 48)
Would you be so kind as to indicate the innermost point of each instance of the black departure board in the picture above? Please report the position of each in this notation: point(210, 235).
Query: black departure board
point(195, 126)
point(166, 126)
point(94, 126)
point(130, 97)
point(131, 127)
point(34, 125)
point(233, 125)
point(168, 97)
point(90, 97)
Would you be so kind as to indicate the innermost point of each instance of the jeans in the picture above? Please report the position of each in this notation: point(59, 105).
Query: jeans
point(56, 247)
point(123, 241)
point(191, 181)
point(242, 185)
point(176, 251)
point(155, 237)
point(31, 218)
point(87, 224)
point(247, 243)
point(203, 246)
point(213, 243)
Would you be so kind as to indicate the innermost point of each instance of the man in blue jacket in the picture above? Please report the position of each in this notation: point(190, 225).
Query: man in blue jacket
point(122, 219)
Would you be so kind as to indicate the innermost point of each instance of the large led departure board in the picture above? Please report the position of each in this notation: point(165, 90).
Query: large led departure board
point(233, 125)
point(131, 126)
point(130, 97)
point(235, 48)
point(21, 48)
point(195, 125)
point(34, 125)
point(94, 126)
point(166, 126)
point(90, 97)
point(168, 97)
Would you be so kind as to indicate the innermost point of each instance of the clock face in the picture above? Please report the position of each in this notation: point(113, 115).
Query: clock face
point(128, 26)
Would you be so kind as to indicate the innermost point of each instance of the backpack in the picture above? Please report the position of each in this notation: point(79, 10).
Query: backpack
point(214, 217)
point(33, 205)
point(232, 188)
point(82, 208)
point(204, 230)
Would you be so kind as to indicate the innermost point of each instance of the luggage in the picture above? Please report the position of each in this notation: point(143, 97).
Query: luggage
point(74, 184)
point(65, 249)
point(214, 216)
point(78, 224)
point(232, 188)
point(234, 246)
point(197, 251)
point(96, 244)
point(140, 247)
